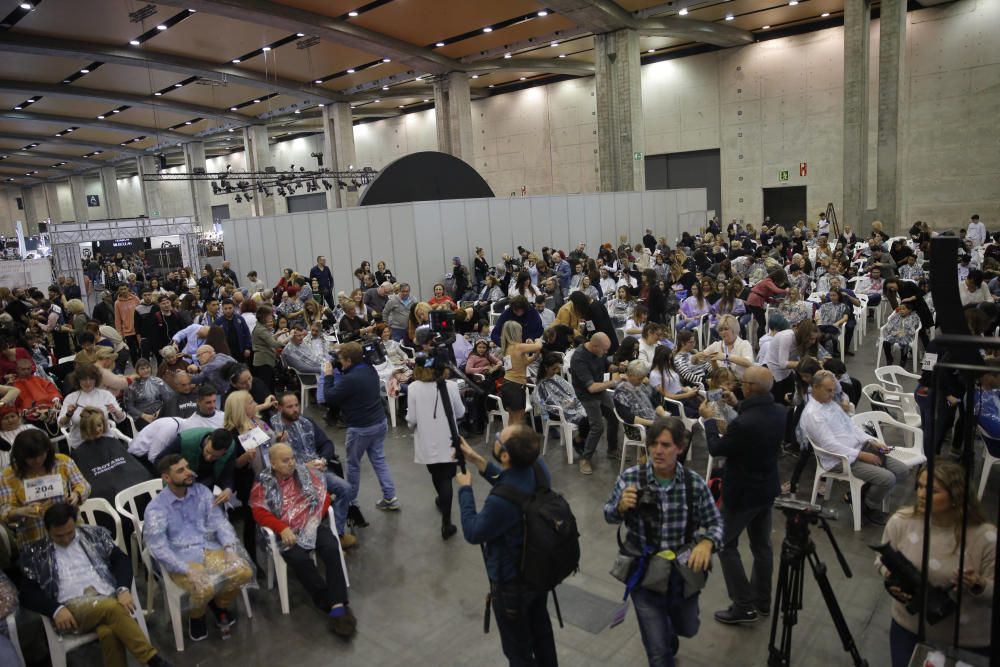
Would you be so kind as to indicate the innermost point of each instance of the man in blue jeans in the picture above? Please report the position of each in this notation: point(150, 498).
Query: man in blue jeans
point(356, 391)
point(313, 447)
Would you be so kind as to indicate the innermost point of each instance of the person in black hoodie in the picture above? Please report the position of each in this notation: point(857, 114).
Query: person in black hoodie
point(750, 485)
point(104, 459)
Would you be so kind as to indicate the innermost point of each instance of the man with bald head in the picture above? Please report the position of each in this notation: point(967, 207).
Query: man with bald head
point(207, 368)
point(750, 484)
point(587, 368)
point(291, 500)
point(189, 339)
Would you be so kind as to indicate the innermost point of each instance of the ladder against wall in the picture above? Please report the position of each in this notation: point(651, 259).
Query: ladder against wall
point(831, 215)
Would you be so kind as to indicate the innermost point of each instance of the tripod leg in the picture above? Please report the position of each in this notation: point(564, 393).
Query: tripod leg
point(787, 602)
point(819, 572)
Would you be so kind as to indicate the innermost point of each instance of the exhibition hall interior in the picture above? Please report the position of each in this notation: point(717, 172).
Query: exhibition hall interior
point(480, 332)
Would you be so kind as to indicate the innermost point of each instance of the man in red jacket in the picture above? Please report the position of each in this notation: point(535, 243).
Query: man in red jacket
point(292, 501)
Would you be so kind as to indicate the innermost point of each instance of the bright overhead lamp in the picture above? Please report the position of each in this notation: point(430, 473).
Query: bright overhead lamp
point(266, 49)
point(506, 55)
point(487, 29)
point(792, 3)
point(764, 27)
point(524, 78)
point(402, 106)
point(387, 60)
point(192, 11)
point(439, 44)
point(429, 100)
point(158, 93)
point(350, 71)
point(178, 85)
point(115, 111)
point(543, 13)
point(236, 61)
point(385, 87)
point(100, 117)
point(683, 11)
point(729, 17)
point(161, 27)
point(554, 44)
point(562, 55)
point(300, 34)
point(475, 76)
point(17, 108)
point(134, 42)
point(232, 108)
point(231, 129)
point(26, 6)
point(824, 15)
point(321, 105)
point(352, 14)
point(318, 81)
point(256, 101)
point(377, 101)
point(187, 122)
point(650, 50)
point(85, 71)
point(298, 111)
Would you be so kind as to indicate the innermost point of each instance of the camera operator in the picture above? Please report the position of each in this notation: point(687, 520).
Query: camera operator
point(521, 613)
point(904, 533)
point(750, 484)
point(662, 504)
point(432, 436)
point(355, 389)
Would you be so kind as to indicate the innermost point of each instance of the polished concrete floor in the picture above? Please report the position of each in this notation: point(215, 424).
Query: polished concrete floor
point(419, 601)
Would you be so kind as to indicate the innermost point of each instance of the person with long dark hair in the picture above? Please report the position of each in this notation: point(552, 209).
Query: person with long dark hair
point(766, 292)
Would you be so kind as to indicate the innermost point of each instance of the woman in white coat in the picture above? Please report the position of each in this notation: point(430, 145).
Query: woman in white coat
point(432, 437)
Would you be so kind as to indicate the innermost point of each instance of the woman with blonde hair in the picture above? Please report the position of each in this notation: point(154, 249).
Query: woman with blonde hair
point(951, 502)
point(252, 437)
point(516, 357)
point(98, 451)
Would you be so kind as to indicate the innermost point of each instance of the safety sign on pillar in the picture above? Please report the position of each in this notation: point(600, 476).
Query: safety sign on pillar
point(803, 168)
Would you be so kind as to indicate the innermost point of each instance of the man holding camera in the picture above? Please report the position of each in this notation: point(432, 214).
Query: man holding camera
point(522, 615)
point(750, 484)
point(355, 389)
point(663, 505)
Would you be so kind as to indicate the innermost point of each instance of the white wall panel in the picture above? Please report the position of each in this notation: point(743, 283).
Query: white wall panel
point(500, 233)
point(305, 254)
point(559, 220)
point(342, 265)
point(430, 250)
point(633, 201)
point(609, 230)
point(404, 257)
point(520, 223)
point(379, 228)
point(285, 244)
point(359, 239)
point(453, 235)
point(576, 231)
point(477, 217)
point(591, 232)
point(256, 254)
point(541, 225)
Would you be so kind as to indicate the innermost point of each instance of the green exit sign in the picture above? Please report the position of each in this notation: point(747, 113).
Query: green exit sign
point(637, 155)
point(783, 175)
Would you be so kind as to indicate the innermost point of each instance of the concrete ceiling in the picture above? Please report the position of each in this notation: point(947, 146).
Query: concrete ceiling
point(135, 78)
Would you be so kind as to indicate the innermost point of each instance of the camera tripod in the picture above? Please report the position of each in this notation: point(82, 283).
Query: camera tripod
point(796, 549)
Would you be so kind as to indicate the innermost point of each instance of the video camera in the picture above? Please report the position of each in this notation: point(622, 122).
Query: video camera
point(905, 576)
point(372, 351)
point(810, 512)
point(435, 340)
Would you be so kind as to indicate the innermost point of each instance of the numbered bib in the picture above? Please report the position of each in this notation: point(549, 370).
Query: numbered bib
point(254, 438)
point(43, 488)
point(930, 358)
point(588, 325)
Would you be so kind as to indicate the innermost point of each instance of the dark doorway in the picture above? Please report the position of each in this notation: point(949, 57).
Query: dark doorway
point(303, 203)
point(785, 206)
point(692, 169)
point(220, 212)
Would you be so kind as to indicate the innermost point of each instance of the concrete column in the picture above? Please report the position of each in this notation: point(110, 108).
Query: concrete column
point(857, 23)
point(30, 213)
point(453, 114)
point(620, 129)
point(891, 136)
point(152, 200)
point(258, 158)
point(338, 151)
point(78, 194)
point(51, 191)
point(201, 191)
point(109, 187)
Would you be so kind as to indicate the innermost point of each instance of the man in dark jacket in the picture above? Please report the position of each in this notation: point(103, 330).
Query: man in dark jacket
point(356, 389)
point(521, 614)
point(78, 577)
point(649, 240)
point(749, 486)
point(321, 273)
point(521, 312)
point(237, 332)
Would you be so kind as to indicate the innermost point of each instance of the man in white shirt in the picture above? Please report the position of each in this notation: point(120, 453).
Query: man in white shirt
point(830, 428)
point(822, 225)
point(548, 317)
point(976, 231)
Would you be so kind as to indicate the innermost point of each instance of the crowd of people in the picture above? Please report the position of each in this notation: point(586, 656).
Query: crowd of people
point(731, 341)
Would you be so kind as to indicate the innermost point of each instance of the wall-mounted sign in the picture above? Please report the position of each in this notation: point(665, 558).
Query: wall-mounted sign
point(637, 155)
point(93, 201)
point(783, 175)
point(803, 169)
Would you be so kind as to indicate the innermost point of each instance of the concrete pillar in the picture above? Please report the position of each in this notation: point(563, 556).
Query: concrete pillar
point(338, 151)
point(30, 213)
point(78, 194)
point(620, 130)
point(109, 187)
point(201, 191)
point(891, 78)
point(857, 22)
point(258, 158)
point(52, 207)
point(152, 200)
point(453, 114)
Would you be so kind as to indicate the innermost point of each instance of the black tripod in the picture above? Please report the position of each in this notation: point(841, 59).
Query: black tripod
point(796, 549)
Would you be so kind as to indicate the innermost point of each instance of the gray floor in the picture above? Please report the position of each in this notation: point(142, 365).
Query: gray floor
point(420, 601)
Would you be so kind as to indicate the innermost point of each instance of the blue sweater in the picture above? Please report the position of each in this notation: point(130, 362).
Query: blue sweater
point(531, 325)
point(357, 393)
point(499, 526)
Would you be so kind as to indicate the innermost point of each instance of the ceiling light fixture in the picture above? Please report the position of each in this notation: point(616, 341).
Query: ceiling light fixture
point(352, 14)
point(134, 42)
point(475, 76)
point(377, 101)
point(562, 55)
point(236, 61)
point(85, 71)
point(192, 11)
point(178, 85)
point(683, 11)
point(26, 6)
point(32, 100)
point(100, 118)
point(321, 105)
point(161, 27)
point(187, 122)
point(115, 111)
point(650, 50)
point(17, 108)
point(729, 17)
point(507, 55)
point(298, 111)
point(543, 13)
point(266, 49)
point(402, 106)
point(387, 60)
point(824, 15)
point(256, 101)
point(318, 81)
point(792, 3)
point(439, 44)
point(300, 34)
point(524, 78)
point(764, 27)
point(554, 44)
point(231, 130)
point(429, 100)
point(157, 93)
point(487, 29)
point(385, 87)
point(350, 71)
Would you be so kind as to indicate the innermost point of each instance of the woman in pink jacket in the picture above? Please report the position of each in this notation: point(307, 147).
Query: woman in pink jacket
point(764, 293)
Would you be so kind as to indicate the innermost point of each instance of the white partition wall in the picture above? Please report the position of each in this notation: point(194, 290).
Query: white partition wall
point(418, 240)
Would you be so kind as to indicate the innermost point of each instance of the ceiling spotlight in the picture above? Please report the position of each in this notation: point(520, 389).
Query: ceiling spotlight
point(824, 15)
point(85, 71)
point(32, 100)
point(554, 44)
point(300, 34)
point(266, 49)
point(487, 29)
point(651, 51)
point(321, 105)
point(402, 106)
point(192, 11)
point(318, 81)
point(792, 3)
point(100, 118)
point(70, 129)
point(115, 111)
point(232, 108)
point(429, 100)
point(187, 122)
point(764, 27)
point(506, 55)
point(236, 61)
point(683, 11)
point(134, 42)
point(350, 71)
point(475, 76)
point(562, 55)
point(26, 6)
point(543, 13)
point(58, 134)
point(178, 85)
point(256, 101)
point(524, 78)
point(157, 93)
point(352, 14)
point(377, 101)
point(387, 60)
point(161, 27)
point(298, 111)
point(729, 17)
point(231, 130)
point(385, 87)
point(439, 44)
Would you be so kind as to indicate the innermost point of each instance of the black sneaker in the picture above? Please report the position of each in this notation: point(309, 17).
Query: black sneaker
point(732, 616)
point(448, 531)
point(197, 629)
point(158, 661)
point(763, 610)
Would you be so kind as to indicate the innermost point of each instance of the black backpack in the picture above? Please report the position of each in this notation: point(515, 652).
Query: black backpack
point(551, 550)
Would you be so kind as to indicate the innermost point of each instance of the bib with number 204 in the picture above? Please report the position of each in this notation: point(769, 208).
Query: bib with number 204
point(43, 488)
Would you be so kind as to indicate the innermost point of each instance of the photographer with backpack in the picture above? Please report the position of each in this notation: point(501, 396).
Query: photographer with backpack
point(529, 539)
point(663, 562)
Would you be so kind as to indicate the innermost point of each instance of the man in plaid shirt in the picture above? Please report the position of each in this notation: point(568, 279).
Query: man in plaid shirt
point(663, 617)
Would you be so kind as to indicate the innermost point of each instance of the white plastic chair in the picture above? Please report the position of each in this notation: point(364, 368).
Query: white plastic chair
point(94, 506)
point(304, 386)
point(831, 477)
point(65, 360)
point(639, 444)
point(708, 467)
point(277, 568)
point(988, 462)
point(897, 403)
point(890, 377)
point(914, 347)
point(127, 507)
point(12, 635)
point(391, 401)
point(501, 412)
point(565, 426)
point(912, 455)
